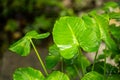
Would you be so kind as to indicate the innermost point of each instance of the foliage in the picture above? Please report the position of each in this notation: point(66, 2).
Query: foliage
point(72, 36)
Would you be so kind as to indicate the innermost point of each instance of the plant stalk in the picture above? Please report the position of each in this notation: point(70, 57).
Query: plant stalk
point(39, 58)
point(105, 68)
point(80, 54)
point(94, 60)
point(62, 64)
point(76, 69)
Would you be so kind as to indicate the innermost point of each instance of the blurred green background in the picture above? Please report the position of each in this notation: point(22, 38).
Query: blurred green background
point(20, 16)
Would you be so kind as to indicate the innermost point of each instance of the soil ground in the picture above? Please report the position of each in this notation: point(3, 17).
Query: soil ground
point(11, 62)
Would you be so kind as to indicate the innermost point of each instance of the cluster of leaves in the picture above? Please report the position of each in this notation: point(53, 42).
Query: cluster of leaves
point(25, 15)
point(18, 17)
point(72, 36)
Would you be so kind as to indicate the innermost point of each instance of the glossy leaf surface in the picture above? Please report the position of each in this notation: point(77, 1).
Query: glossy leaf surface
point(28, 74)
point(71, 32)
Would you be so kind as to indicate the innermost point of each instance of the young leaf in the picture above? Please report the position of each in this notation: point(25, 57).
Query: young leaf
point(56, 75)
point(27, 74)
point(93, 76)
point(71, 32)
point(22, 46)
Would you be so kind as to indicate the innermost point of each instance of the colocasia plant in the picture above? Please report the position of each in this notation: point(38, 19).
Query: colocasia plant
point(73, 38)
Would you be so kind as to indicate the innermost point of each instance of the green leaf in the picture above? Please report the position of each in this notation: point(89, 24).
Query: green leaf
point(53, 58)
point(90, 39)
point(51, 61)
point(11, 26)
point(64, 37)
point(35, 35)
point(93, 76)
point(21, 47)
point(41, 22)
point(27, 74)
point(71, 32)
point(109, 5)
point(56, 75)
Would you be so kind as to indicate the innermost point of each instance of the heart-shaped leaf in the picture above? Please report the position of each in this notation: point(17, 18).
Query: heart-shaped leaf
point(71, 32)
point(28, 74)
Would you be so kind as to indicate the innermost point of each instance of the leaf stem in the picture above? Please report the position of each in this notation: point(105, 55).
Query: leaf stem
point(105, 67)
point(62, 69)
point(76, 69)
point(94, 60)
point(80, 54)
point(40, 60)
